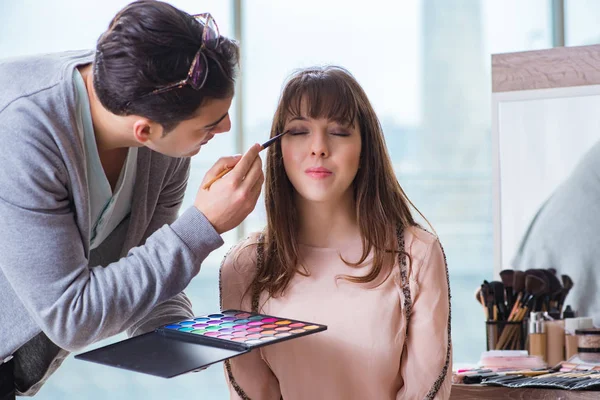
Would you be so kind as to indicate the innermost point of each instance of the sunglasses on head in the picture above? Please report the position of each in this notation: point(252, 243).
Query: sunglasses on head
point(198, 72)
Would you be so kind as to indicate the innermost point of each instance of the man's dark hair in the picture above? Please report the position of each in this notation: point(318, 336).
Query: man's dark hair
point(150, 44)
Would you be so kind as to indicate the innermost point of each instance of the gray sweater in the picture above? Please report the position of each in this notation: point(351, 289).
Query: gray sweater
point(55, 295)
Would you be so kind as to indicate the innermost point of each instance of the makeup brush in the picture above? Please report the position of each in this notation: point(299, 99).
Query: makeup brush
point(518, 288)
point(554, 290)
point(567, 286)
point(507, 277)
point(479, 299)
point(518, 282)
point(536, 305)
point(498, 296)
point(535, 286)
point(227, 169)
point(488, 297)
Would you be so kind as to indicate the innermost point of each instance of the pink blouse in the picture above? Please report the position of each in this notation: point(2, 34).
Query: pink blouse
point(390, 341)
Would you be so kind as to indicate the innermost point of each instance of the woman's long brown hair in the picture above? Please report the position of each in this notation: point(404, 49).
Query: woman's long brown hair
point(382, 207)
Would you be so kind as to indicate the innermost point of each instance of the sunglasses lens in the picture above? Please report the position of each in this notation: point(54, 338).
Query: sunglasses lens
point(199, 71)
point(210, 36)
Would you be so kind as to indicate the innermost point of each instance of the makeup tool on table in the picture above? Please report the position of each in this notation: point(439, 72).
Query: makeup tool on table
point(227, 169)
point(576, 380)
point(189, 345)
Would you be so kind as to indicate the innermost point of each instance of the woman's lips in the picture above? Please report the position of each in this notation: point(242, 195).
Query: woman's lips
point(318, 172)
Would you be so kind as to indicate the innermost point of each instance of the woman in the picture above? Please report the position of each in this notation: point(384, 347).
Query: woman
point(341, 248)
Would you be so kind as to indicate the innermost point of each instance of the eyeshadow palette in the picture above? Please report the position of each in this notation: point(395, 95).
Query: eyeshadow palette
point(194, 344)
point(241, 330)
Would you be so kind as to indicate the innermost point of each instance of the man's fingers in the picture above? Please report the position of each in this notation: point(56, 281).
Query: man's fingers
point(255, 173)
point(243, 166)
point(221, 164)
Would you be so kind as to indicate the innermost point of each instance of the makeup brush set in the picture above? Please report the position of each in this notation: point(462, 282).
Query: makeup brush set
point(575, 380)
point(507, 303)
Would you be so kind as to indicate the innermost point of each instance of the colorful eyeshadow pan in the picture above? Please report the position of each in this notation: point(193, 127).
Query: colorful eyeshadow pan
point(247, 329)
point(253, 336)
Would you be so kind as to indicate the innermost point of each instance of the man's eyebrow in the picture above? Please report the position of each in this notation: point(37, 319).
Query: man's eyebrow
point(217, 121)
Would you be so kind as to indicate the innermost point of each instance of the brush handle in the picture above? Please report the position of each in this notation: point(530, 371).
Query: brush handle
point(273, 140)
point(216, 178)
point(509, 298)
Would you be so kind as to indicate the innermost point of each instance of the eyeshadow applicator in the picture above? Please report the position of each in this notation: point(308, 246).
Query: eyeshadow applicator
point(227, 169)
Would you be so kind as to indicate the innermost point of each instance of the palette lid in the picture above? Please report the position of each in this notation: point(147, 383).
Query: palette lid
point(158, 355)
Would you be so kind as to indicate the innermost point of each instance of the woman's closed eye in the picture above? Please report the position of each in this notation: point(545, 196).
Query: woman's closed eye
point(295, 132)
point(340, 133)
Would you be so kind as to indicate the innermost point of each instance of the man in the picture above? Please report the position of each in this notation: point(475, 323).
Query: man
point(94, 163)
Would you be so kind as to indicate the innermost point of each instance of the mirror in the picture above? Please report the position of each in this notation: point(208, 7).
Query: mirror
point(546, 135)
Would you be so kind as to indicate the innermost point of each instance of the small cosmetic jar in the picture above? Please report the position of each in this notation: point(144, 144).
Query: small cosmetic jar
point(588, 344)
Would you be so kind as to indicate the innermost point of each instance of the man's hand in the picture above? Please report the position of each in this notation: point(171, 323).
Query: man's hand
point(230, 199)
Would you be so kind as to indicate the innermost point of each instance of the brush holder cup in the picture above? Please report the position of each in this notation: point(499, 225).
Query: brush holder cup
point(506, 335)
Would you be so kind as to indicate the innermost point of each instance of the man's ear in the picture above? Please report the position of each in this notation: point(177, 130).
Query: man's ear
point(145, 130)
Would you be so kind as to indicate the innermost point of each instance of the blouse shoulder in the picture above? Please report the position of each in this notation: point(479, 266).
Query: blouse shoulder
point(237, 271)
point(425, 251)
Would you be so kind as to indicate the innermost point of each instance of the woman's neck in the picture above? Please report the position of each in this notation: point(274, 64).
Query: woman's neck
point(331, 224)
